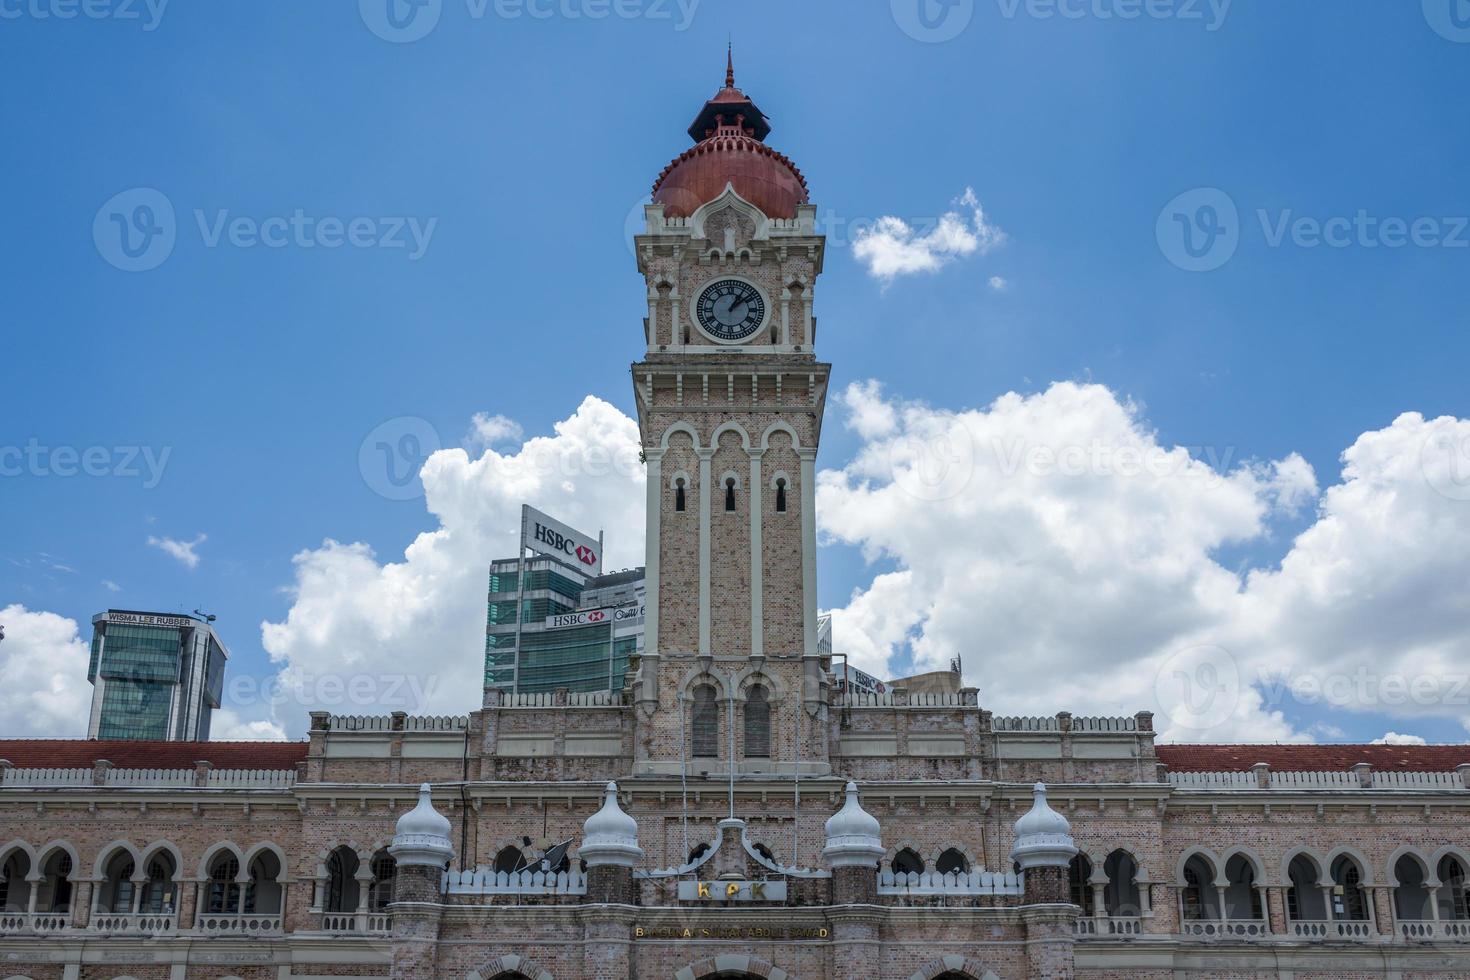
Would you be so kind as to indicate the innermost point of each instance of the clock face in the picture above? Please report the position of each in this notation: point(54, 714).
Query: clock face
point(730, 309)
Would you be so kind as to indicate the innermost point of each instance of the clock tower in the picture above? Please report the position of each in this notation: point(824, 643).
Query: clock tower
point(730, 398)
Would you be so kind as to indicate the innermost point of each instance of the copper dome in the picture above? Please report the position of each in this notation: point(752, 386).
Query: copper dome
point(729, 149)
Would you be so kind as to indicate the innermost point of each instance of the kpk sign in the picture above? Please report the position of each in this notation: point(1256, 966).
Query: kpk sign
point(546, 535)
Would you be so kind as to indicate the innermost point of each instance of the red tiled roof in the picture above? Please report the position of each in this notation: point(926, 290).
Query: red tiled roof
point(1313, 758)
point(72, 753)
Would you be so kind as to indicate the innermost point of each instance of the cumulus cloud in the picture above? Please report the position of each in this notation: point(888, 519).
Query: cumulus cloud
point(227, 726)
point(1394, 738)
point(999, 284)
point(892, 247)
point(488, 430)
point(182, 550)
point(365, 635)
point(43, 674)
point(1071, 558)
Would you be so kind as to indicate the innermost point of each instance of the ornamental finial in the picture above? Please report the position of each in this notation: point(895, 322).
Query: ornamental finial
point(730, 66)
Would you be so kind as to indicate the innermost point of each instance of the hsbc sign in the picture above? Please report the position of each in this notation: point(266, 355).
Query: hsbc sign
point(548, 536)
point(591, 617)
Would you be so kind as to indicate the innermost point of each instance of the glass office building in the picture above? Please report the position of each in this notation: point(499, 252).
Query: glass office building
point(575, 631)
point(154, 676)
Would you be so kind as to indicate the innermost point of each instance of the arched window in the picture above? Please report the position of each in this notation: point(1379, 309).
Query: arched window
point(263, 892)
point(158, 890)
point(679, 494)
point(757, 723)
point(1199, 898)
point(1452, 903)
point(1304, 901)
point(224, 889)
point(765, 852)
point(1242, 897)
point(1079, 883)
point(385, 872)
point(1411, 897)
point(509, 860)
point(117, 884)
point(55, 893)
point(781, 496)
point(706, 723)
point(1351, 902)
point(730, 493)
point(951, 862)
point(1121, 896)
point(342, 889)
point(907, 862)
point(15, 891)
point(699, 851)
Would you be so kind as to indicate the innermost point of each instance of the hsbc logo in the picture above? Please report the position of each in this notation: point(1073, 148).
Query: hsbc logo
point(554, 540)
point(596, 617)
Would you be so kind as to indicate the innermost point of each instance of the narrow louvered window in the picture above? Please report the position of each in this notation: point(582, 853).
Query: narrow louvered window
point(757, 723)
point(706, 723)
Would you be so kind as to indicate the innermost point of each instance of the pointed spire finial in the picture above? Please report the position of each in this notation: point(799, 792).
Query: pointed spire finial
point(730, 65)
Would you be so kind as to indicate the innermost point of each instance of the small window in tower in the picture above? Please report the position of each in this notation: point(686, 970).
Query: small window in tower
point(679, 494)
point(780, 496)
point(730, 493)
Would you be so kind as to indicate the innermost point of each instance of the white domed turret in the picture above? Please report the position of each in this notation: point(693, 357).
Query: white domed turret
point(422, 835)
point(853, 839)
point(1043, 836)
point(610, 836)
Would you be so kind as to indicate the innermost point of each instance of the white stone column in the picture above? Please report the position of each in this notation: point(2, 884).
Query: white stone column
point(655, 458)
point(809, 549)
point(757, 589)
point(705, 455)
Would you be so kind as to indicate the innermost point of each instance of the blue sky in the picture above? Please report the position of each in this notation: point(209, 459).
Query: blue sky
point(518, 146)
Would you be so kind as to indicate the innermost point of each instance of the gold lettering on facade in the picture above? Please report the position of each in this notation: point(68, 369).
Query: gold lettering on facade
point(703, 890)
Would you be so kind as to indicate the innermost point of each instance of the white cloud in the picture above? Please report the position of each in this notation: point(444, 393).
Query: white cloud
point(1070, 557)
point(1394, 738)
point(111, 586)
point(182, 550)
point(999, 284)
point(411, 632)
point(43, 674)
point(487, 430)
point(892, 247)
point(227, 726)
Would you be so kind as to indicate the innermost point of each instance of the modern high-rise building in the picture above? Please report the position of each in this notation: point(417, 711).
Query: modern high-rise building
point(155, 676)
point(574, 630)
